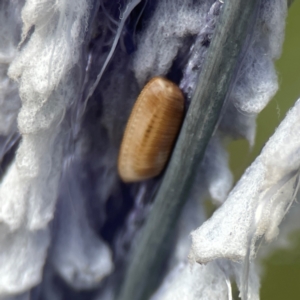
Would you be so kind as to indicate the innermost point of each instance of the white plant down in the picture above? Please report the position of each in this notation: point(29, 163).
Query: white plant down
point(10, 23)
point(259, 201)
point(78, 255)
point(211, 281)
point(165, 34)
point(197, 282)
point(257, 204)
point(44, 210)
point(207, 282)
point(44, 69)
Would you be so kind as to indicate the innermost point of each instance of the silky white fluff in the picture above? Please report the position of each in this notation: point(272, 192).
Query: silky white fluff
point(47, 85)
point(257, 204)
point(80, 257)
point(10, 24)
point(159, 44)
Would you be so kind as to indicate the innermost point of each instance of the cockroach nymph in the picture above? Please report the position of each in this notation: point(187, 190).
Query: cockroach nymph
point(151, 130)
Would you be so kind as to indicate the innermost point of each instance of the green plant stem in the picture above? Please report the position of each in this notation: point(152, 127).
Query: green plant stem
point(199, 124)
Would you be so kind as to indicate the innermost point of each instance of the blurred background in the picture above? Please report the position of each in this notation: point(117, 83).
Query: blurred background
point(281, 279)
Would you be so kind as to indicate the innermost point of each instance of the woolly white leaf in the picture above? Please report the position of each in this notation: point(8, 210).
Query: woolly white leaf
point(259, 201)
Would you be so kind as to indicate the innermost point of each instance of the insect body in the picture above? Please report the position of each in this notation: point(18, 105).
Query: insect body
point(151, 130)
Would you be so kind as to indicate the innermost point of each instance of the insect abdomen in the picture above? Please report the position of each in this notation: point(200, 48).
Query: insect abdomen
point(151, 130)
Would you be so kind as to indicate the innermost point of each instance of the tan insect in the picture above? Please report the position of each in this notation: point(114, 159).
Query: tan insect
point(151, 130)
